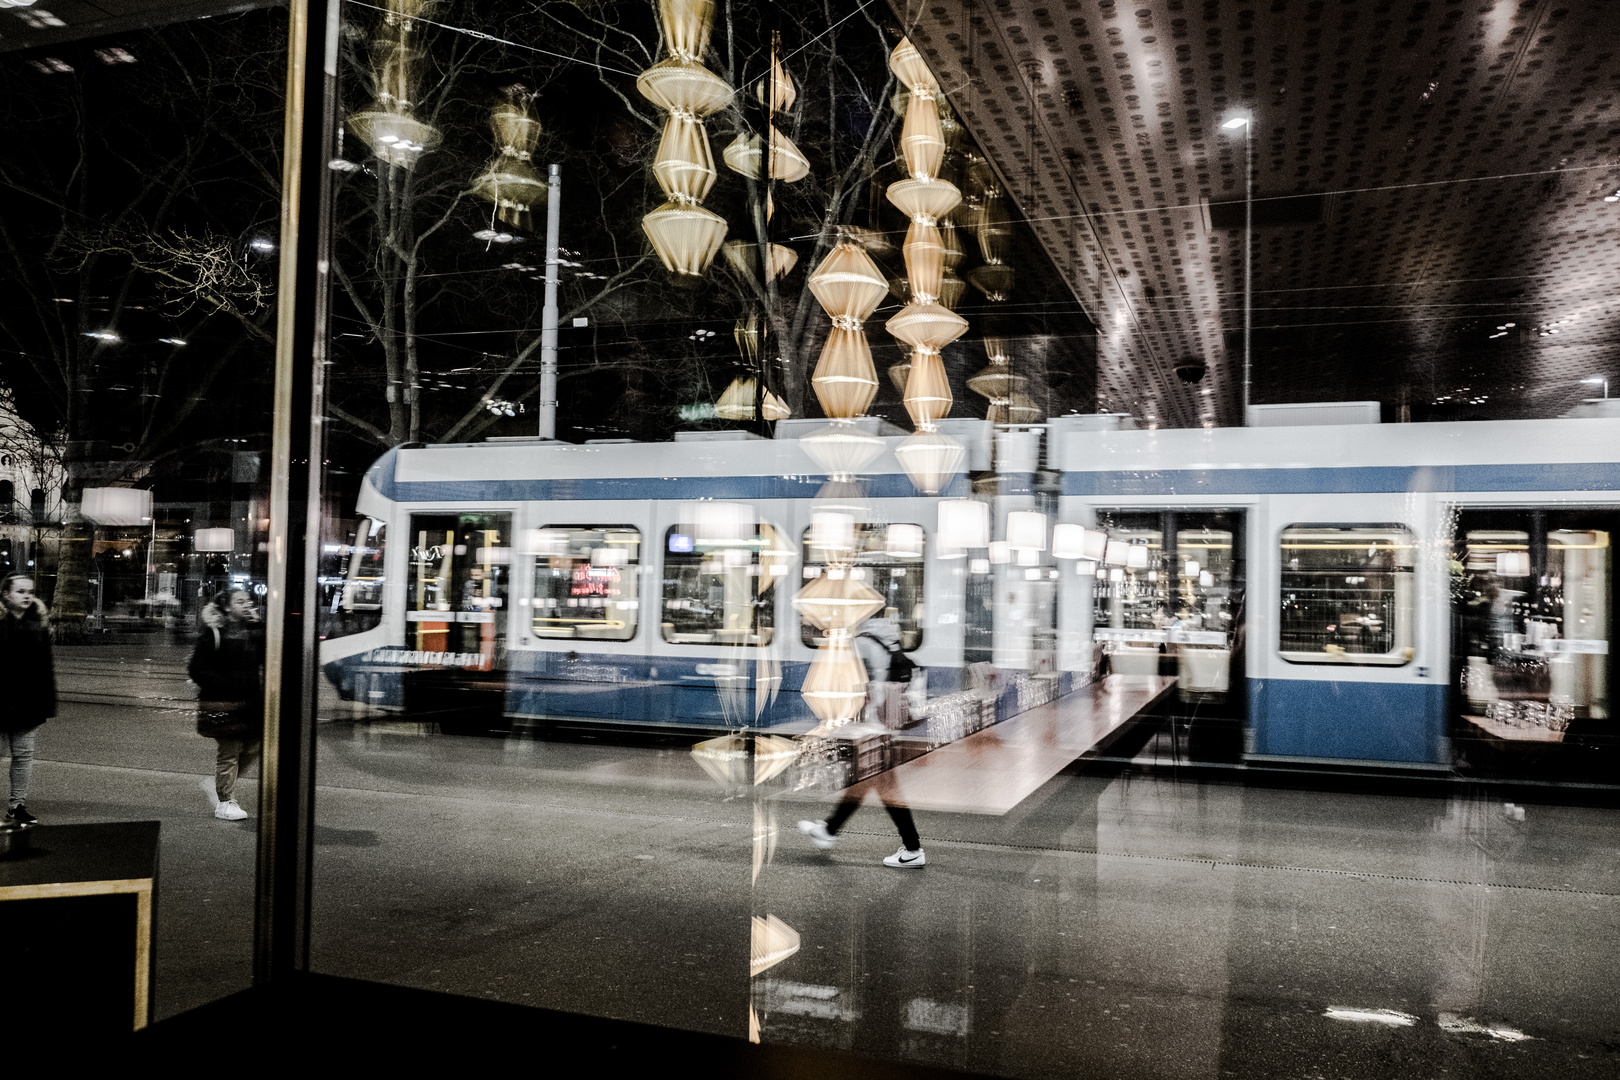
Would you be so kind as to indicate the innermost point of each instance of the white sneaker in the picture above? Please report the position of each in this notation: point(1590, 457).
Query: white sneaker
point(230, 811)
point(905, 860)
point(208, 789)
point(818, 834)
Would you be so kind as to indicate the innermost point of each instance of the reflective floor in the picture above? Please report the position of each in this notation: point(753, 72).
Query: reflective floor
point(1121, 921)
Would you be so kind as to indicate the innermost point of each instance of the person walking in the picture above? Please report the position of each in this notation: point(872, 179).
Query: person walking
point(29, 676)
point(230, 696)
point(877, 644)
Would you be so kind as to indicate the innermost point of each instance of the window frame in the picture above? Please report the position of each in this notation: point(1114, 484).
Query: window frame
point(920, 564)
point(757, 560)
point(634, 567)
point(1401, 655)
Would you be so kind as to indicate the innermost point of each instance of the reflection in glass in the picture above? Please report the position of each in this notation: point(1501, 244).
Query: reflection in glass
point(586, 582)
point(889, 558)
point(1346, 594)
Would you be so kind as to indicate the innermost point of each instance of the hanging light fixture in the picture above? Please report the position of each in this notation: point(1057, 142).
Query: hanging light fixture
point(510, 180)
point(684, 234)
point(388, 126)
point(1026, 530)
point(849, 286)
point(743, 256)
point(931, 459)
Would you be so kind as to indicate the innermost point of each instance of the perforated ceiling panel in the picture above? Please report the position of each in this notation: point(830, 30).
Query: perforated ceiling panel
point(1460, 260)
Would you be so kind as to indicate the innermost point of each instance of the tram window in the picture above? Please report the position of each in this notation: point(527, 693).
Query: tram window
point(456, 587)
point(720, 576)
point(1346, 594)
point(586, 582)
point(890, 559)
point(351, 580)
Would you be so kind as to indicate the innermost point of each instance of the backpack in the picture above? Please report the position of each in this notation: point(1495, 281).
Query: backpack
point(900, 665)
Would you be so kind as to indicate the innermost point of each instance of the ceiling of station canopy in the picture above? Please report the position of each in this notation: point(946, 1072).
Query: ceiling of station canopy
point(1430, 179)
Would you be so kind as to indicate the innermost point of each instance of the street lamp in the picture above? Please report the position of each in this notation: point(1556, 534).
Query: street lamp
point(1595, 380)
point(1243, 121)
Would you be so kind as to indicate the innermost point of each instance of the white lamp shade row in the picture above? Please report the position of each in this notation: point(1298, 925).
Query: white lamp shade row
point(117, 506)
point(208, 540)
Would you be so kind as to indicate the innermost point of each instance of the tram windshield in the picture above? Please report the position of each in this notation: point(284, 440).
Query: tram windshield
point(351, 580)
point(586, 582)
point(720, 574)
point(1346, 594)
point(890, 559)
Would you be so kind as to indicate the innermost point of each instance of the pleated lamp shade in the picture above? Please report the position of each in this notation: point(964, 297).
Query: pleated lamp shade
point(737, 401)
point(899, 373)
point(926, 324)
point(397, 138)
point(928, 392)
point(926, 199)
point(952, 244)
point(908, 66)
point(993, 232)
point(684, 85)
point(750, 331)
point(685, 237)
point(686, 26)
point(788, 163)
point(845, 380)
point(835, 686)
point(841, 449)
point(510, 180)
point(925, 261)
point(684, 166)
point(848, 282)
point(744, 256)
point(995, 280)
point(774, 409)
point(951, 289)
point(840, 603)
point(1021, 409)
point(922, 143)
point(998, 383)
point(783, 92)
point(931, 459)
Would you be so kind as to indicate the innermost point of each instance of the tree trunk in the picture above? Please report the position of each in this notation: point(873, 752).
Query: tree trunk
point(70, 601)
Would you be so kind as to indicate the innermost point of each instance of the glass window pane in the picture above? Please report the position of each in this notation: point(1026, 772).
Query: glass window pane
point(456, 588)
point(720, 583)
point(890, 559)
point(351, 580)
point(1346, 594)
point(586, 582)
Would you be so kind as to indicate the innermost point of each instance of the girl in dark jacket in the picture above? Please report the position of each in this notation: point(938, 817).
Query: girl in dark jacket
point(230, 698)
point(30, 680)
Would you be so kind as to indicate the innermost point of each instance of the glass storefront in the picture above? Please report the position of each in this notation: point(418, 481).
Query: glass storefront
point(646, 434)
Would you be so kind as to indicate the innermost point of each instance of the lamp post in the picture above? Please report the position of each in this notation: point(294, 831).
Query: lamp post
point(548, 315)
point(1594, 380)
point(1244, 121)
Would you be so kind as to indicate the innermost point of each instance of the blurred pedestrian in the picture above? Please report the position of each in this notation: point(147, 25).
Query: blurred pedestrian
point(29, 678)
point(230, 693)
point(887, 669)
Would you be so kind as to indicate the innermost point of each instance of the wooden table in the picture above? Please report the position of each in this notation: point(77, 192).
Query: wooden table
point(77, 907)
point(993, 770)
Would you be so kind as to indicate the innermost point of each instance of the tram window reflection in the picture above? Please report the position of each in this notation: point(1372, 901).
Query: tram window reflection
point(1346, 594)
point(720, 582)
point(351, 580)
point(586, 582)
point(890, 559)
point(456, 590)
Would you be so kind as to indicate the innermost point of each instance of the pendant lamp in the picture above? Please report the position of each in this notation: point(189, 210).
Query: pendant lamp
point(510, 180)
point(849, 286)
point(685, 236)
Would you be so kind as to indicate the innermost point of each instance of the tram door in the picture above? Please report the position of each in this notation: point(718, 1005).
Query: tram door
point(456, 593)
point(1533, 592)
point(1170, 601)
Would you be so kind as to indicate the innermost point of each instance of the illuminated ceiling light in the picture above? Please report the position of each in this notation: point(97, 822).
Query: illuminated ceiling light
point(172, 340)
point(101, 335)
point(1026, 530)
point(261, 244)
point(931, 459)
point(1237, 122)
point(510, 180)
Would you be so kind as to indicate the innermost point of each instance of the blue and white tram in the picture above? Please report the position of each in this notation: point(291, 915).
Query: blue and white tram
point(1420, 595)
point(1425, 595)
point(625, 584)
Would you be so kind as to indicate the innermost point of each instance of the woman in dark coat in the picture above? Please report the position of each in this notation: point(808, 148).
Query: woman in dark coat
point(230, 692)
point(29, 677)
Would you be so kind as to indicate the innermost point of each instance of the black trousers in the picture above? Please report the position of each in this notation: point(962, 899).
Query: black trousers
point(898, 813)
